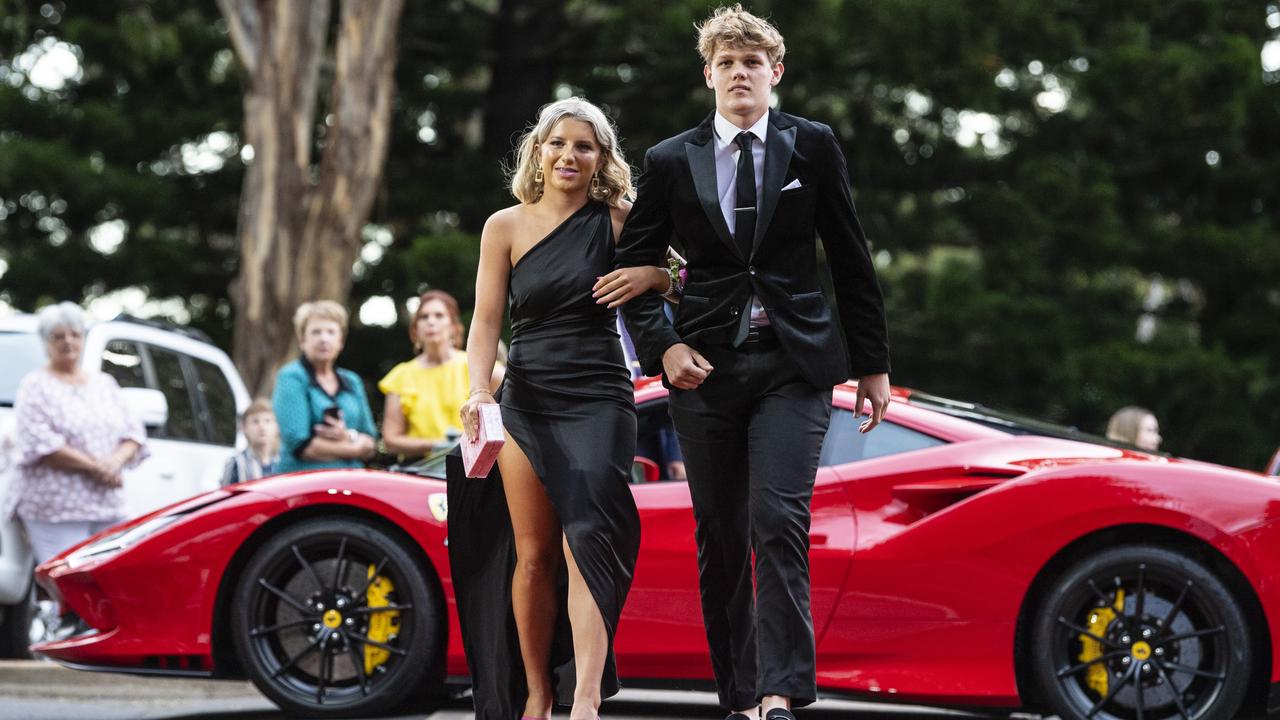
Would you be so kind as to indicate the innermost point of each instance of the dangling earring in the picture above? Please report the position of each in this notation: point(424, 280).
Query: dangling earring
point(538, 181)
point(598, 190)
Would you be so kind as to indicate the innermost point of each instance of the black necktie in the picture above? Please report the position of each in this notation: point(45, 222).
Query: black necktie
point(745, 201)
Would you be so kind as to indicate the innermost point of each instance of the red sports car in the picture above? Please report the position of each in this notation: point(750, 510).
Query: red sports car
point(959, 557)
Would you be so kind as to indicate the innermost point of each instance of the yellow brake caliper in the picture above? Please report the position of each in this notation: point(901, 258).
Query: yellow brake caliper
point(383, 625)
point(1099, 619)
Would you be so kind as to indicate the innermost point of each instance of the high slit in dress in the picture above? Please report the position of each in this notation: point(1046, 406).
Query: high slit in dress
point(567, 401)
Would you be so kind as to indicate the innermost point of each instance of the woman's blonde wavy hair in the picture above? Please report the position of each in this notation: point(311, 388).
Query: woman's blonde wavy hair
point(614, 173)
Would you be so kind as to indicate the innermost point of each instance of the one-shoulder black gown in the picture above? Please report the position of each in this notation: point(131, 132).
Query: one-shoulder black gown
point(567, 402)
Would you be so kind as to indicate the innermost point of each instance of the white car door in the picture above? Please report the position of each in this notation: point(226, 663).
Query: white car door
point(185, 457)
point(153, 483)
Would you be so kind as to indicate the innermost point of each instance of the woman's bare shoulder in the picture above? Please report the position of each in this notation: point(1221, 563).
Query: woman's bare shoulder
point(501, 225)
point(506, 218)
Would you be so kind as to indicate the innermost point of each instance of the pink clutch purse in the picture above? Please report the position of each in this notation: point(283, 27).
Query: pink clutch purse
point(480, 452)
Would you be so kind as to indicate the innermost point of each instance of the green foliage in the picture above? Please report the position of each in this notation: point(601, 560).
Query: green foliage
point(107, 147)
point(1113, 241)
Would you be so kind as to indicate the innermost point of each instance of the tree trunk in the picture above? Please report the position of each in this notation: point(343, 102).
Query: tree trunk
point(300, 222)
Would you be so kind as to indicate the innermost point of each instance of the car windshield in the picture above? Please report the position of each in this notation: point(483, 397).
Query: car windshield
point(20, 353)
point(1011, 423)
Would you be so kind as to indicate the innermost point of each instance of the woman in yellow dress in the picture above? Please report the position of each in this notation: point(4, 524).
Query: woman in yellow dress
point(425, 394)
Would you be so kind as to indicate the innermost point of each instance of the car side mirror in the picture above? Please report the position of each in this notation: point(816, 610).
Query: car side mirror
point(149, 406)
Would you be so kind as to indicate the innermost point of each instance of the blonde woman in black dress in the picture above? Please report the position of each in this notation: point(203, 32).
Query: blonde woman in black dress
point(569, 414)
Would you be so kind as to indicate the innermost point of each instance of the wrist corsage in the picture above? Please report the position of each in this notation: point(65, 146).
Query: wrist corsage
point(679, 276)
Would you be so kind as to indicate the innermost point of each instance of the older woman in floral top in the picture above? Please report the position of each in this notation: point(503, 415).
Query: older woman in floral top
point(75, 437)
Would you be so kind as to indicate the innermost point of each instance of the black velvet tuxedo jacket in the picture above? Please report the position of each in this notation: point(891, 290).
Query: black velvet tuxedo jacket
point(677, 204)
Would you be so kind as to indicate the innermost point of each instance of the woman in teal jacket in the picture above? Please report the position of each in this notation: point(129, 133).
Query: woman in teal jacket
point(322, 409)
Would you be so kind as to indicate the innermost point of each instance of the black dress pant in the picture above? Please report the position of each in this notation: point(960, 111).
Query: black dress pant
point(751, 436)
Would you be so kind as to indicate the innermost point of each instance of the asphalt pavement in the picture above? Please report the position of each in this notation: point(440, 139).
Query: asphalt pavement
point(37, 690)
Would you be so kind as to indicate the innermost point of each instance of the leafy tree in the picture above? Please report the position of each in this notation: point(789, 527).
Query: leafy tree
point(303, 209)
point(1072, 204)
point(117, 143)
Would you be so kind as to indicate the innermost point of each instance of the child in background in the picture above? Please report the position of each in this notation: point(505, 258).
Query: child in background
point(260, 458)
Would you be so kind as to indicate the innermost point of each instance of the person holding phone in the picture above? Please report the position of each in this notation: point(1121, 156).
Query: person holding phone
point(322, 409)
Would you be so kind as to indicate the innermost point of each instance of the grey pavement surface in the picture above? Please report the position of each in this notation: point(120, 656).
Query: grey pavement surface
point(35, 690)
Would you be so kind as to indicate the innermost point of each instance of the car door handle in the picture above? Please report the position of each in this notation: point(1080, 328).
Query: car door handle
point(817, 538)
point(167, 476)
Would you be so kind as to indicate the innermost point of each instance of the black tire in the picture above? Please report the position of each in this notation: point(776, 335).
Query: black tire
point(301, 620)
point(1177, 626)
point(15, 626)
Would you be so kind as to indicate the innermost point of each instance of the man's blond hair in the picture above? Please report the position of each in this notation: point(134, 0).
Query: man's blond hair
point(734, 28)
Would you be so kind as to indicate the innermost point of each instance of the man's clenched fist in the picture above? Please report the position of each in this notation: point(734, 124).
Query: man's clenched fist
point(685, 367)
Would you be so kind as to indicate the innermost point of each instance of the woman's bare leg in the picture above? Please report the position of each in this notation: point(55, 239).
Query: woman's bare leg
point(590, 642)
point(533, 588)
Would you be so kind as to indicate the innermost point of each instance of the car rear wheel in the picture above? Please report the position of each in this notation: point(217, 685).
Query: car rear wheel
point(1141, 633)
point(333, 617)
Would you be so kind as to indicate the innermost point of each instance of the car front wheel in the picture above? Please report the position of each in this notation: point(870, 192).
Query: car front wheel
point(1141, 633)
point(333, 617)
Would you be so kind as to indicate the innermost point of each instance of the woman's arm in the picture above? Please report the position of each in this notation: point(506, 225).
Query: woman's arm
point(115, 463)
point(364, 423)
point(323, 450)
point(486, 321)
point(73, 460)
point(626, 283)
point(395, 430)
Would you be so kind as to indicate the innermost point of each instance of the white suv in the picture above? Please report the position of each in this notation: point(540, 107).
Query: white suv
point(185, 390)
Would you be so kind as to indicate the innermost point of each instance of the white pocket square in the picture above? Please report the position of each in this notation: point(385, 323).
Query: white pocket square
point(791, 185)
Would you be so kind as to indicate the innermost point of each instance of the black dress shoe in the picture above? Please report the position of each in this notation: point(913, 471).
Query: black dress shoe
point(737, 716)
point(779, 714)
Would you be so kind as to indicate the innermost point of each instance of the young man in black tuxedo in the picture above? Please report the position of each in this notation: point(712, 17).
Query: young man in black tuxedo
point(755, 349)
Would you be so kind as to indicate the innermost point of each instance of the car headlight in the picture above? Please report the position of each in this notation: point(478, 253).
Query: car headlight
point(117, 541)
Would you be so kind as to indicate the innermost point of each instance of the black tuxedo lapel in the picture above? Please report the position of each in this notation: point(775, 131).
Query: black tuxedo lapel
point(780, 144)
point(702, 164)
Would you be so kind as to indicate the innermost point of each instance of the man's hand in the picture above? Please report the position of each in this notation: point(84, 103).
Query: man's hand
point(686, 368)
point(876, 389)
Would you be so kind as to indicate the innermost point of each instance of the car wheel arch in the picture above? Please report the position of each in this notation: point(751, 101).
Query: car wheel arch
point(222, 647)
point(1146, 534)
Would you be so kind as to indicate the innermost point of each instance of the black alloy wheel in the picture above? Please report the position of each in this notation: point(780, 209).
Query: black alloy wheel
point(333, 618)
point(1141, 633)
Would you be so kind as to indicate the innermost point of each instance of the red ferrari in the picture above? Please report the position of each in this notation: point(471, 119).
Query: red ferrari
point(960, 557)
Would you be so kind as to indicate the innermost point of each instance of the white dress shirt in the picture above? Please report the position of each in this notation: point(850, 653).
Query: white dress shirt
point(727, 176)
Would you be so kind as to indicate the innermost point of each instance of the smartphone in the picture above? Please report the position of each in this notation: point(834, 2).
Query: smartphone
point(334, 412)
